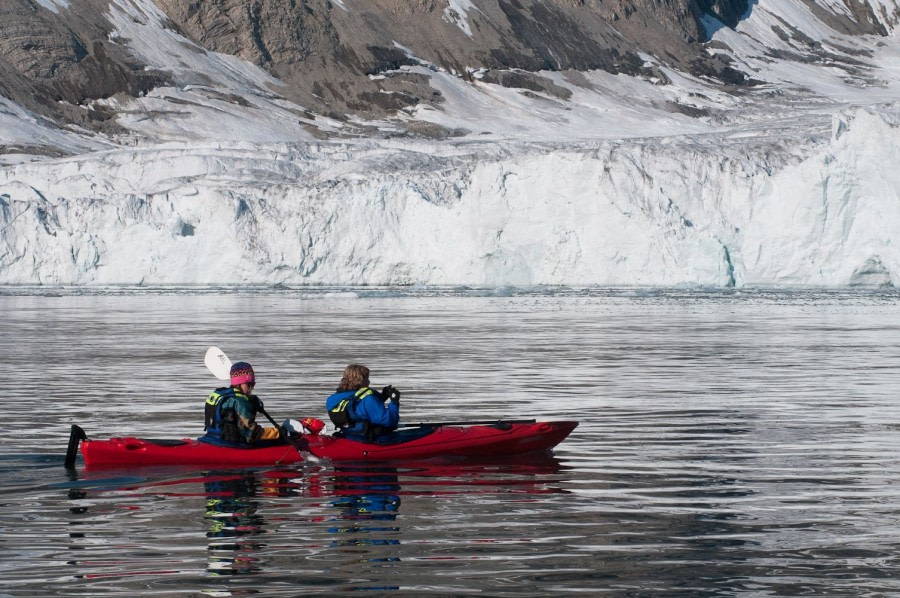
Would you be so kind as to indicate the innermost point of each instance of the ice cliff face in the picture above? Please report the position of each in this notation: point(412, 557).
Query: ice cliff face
point(708, 210)
point(748, 143)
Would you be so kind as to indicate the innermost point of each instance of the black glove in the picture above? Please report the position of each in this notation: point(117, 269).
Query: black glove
point(256, 404)
point(389, 392)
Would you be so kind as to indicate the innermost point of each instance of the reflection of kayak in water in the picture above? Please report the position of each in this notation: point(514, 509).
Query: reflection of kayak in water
point(497, 439)
point(487, 440)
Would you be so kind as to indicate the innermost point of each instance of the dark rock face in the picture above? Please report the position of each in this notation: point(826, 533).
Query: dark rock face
point(51, 62)
point(339, 58)
point(326, 53)
point(729, 12)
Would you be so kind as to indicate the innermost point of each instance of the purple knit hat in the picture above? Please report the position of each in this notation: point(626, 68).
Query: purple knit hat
point(241, 373)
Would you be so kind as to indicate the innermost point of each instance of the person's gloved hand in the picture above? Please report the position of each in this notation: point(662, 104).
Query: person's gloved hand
point(256, 403)
point(389, 392)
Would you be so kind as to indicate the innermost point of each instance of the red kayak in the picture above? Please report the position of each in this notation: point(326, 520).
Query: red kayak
point(426, 441)
point(129, 451)
point(499, 439)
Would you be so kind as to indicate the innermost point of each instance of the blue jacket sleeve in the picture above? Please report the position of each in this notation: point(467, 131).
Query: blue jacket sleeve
point(372, 410)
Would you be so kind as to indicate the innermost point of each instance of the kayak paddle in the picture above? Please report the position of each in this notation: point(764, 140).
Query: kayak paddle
point(218, 363)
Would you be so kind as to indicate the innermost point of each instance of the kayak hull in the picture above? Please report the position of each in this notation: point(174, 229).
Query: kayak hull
point(439, 441)
point(129, 451)
point(479, 441)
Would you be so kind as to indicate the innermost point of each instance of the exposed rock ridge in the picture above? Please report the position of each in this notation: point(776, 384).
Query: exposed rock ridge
point(344, 58)
point(326, 53)
point(51, 62)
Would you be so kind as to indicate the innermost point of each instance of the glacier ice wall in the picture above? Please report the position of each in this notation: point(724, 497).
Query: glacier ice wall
point(736, 208)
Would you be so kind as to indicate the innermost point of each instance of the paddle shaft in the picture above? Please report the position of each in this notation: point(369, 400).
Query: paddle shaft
point(269, 417)
point(281, 432)
point(485, 422)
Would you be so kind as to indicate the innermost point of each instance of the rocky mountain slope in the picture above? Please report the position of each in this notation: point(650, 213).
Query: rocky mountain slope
point(344, 59)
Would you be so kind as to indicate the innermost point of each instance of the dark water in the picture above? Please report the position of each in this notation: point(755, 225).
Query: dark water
point(730, 444)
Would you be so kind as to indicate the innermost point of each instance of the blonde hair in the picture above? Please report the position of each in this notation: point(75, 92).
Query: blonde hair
point(355, 377)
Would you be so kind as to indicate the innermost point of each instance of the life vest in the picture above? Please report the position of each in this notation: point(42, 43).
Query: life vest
point(341, 413)
point(221, 422)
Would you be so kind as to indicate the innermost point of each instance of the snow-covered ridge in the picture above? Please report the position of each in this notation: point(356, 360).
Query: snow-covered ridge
point(53, 5)
point(706, 210)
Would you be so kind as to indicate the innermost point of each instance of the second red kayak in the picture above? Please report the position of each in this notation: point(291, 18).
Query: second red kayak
point(500, 439)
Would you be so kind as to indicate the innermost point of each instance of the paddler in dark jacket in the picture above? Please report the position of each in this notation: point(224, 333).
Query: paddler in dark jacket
point(360, 411)
point(231, 411)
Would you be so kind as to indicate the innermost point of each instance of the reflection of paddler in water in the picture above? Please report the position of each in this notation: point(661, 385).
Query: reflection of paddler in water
point(365, 497)
point(234, 524)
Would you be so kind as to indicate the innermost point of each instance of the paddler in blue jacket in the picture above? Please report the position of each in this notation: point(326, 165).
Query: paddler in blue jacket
point(359, 411)
point(231, 411)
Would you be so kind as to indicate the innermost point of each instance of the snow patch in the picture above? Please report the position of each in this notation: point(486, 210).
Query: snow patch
point(21, 128)
point(457, 13)
point(219, 96)
point(54, 5)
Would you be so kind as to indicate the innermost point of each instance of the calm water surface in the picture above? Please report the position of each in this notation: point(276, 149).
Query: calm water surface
point(739, 443)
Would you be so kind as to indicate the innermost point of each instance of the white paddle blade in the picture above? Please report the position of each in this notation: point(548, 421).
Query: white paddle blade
point(218, 363)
